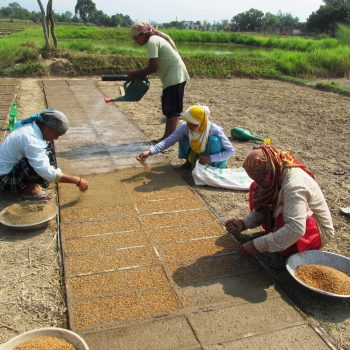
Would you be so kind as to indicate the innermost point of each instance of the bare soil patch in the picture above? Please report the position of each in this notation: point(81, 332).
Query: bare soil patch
point(313, 124)
point(30, 292)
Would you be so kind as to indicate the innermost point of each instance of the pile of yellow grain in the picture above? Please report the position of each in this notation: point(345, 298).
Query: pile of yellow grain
point(45, 343)
point(325, 278)
point(28, 213)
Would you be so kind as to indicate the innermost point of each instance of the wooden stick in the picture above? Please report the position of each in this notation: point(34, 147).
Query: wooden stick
point(29, 258)
point(8, 327)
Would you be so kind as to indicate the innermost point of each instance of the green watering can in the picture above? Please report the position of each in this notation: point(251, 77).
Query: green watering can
point(242, 134)
point(131, 90)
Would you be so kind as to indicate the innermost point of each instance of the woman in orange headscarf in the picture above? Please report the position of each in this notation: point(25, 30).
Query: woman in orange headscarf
point(287, 201)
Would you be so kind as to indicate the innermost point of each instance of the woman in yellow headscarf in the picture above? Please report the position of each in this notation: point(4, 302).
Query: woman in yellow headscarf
point(199, 139)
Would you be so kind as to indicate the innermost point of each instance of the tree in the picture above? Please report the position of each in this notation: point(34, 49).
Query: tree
point(119, 20)
point(48, 24)
point(43, 23)
point(336, 2)
point(270, 20)
point(250, 20)
point(68, 15)
point(14, 5)
point(85, 9)
point(327, 17)
point(287, 20)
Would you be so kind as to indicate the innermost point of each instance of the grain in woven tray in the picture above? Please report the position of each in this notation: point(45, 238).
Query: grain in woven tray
point(45, 343)
point(325, 278)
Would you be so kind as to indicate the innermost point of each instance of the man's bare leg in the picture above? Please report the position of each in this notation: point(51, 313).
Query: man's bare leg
point(170, 127)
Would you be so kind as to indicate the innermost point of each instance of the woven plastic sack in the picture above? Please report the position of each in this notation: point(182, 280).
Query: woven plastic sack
point(230, 178)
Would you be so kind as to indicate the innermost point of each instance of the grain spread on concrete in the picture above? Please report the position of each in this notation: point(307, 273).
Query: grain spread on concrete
point(184, 233)
point(90, 263)
point(167, 206)
point(104, 243)
point(169, 193)
point(325, 278)
point(119, 282)
point(186, 218)
point(100, 227)
point(116, 256)
point(28, 213)
point(196, 249)
point(81, 214)
point(131, 306)
point(45, 343)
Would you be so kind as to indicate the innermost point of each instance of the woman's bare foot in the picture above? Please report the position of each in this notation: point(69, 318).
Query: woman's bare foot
point(34, 191)
point(185, 166)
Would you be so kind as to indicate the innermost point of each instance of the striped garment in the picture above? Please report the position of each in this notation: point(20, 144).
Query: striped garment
point(22, 174)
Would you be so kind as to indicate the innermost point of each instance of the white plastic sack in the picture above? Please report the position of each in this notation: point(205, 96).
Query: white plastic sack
point(231, 178)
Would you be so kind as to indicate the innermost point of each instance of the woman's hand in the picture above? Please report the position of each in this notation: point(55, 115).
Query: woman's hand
point(234, 226)
point(83, 185)
point(143, 156)
point(248, 248)
point(204, 159)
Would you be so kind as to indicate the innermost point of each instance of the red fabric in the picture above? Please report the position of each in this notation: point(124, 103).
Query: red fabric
point(310, 240)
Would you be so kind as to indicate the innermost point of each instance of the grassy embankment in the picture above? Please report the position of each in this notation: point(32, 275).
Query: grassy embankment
point(93, 50)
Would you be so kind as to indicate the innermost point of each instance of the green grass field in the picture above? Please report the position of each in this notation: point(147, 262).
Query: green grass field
point(95, 50)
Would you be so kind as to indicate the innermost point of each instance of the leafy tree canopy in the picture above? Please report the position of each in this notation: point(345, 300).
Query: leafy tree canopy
point(328, 16)
point(85, 9)
point(250, 20)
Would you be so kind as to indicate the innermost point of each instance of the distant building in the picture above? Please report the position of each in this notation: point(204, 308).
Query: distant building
point(191, 25)
point(154, 24)
point(296, 32)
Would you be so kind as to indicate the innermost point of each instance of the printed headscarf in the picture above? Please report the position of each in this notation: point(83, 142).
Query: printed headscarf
point(198, 115)
point(265, 165)
point(54, 119)
point(145, 28)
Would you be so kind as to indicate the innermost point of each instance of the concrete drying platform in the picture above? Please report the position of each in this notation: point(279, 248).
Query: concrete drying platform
point(147, 265)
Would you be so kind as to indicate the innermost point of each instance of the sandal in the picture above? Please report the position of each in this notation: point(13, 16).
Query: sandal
point(38, 196)
point(346, 211)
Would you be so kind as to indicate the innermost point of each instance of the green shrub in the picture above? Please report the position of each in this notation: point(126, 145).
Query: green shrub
point(29, 68)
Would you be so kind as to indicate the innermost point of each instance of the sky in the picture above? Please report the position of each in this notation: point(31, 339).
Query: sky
point(190, 10)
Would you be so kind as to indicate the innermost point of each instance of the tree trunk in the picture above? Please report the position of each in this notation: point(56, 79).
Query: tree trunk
point(43, 23)
point(50, 19)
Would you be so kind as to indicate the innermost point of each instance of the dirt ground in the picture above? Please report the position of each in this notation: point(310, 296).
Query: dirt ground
point(315, 125)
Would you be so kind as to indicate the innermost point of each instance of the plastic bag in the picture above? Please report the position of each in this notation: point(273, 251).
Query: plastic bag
point(231, 178)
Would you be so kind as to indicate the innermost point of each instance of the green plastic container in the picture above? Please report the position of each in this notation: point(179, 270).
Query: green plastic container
point(134, 90)
point(12, 117)
point(242, 134)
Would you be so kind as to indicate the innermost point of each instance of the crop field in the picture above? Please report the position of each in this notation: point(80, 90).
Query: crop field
point(94, 50)
point(8, 27)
